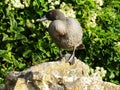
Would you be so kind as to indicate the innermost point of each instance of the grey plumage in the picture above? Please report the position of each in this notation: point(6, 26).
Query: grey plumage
point(65, 32)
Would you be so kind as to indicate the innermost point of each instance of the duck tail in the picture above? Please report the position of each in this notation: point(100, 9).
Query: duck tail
point(81, 46)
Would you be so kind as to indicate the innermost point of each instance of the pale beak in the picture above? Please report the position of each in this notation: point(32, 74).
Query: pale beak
point(42, 19)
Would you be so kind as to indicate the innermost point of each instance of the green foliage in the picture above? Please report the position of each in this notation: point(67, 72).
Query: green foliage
point(25, 42)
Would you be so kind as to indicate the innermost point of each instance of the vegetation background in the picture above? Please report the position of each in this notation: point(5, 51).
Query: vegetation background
point(24, 42)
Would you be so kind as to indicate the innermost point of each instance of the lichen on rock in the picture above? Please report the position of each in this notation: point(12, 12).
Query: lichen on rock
point(57, 75)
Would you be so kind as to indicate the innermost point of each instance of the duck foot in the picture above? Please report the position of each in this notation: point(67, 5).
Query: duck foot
point(70, 58)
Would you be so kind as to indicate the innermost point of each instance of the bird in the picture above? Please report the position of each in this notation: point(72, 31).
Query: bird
point(66, 33)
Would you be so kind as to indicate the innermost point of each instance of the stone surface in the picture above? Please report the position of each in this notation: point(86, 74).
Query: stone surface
point(57, 76)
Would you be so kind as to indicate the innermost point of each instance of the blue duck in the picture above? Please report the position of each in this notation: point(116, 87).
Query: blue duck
point(65, 32)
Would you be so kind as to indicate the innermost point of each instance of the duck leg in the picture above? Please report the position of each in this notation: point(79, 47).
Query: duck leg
point(71, 57)
point(60, 52)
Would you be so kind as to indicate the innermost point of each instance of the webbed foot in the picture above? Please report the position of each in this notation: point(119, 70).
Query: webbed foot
point(70, 58)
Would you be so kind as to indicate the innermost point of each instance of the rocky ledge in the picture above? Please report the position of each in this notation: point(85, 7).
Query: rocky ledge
point(57, 75)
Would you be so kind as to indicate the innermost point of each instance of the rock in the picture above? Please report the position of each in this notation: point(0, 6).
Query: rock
point(57, 75)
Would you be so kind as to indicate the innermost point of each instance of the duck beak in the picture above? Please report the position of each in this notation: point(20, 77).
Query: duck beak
point(42, 19)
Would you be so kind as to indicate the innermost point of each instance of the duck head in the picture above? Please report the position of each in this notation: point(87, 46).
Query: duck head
point(53, 15)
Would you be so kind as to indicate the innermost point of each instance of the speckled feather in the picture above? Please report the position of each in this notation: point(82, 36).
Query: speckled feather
point(66, 33)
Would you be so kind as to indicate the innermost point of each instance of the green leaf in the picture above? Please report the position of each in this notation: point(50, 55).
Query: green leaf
point(27, 53)
point(79, 2)
point(19, 36)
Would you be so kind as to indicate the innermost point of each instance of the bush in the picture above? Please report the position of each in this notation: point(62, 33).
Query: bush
point(25, 42)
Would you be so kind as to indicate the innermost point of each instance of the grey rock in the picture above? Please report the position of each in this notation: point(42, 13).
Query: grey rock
point(57, 76)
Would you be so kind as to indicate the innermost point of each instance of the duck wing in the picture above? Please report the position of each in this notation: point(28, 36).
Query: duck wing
point(57, 28)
